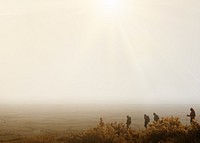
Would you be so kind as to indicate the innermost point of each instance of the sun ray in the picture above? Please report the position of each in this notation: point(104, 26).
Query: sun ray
point(179, 72)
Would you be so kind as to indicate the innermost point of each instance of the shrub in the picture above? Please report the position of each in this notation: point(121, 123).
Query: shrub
point(166, 130)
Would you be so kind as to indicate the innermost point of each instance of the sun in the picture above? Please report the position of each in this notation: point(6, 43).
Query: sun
point(109, 9)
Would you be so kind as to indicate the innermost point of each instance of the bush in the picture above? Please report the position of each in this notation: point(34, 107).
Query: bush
point(166, 130)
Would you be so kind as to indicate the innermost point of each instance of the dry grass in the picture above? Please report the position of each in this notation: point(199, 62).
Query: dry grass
point(166, 130)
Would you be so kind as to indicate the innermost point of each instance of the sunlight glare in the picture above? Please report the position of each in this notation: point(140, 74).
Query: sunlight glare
point(108, 8)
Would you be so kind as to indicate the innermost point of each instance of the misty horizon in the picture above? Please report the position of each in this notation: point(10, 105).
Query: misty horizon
point(99, 52)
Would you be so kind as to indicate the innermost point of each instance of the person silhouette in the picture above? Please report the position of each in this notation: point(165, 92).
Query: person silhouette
point(101, 123)
point(146, 120)
point(192, 115)
point(128, 121)
point(156, 117)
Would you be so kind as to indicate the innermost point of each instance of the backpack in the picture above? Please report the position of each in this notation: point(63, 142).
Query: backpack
point(148, 119)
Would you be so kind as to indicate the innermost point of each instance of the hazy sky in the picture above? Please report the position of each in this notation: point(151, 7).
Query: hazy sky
point(99, 51)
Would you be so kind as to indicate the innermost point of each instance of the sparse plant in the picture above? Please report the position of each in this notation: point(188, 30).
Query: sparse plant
point(166, 130)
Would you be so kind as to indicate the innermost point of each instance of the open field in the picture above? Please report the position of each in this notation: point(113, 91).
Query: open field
point(19, 121)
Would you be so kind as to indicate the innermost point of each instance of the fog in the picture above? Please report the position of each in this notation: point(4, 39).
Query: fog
point(99, 52)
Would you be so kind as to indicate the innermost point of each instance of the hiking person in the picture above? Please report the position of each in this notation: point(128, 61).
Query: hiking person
point(101, 123)
point(192, 115)
point(128, 121)
point(146, 120)
point(156, 117)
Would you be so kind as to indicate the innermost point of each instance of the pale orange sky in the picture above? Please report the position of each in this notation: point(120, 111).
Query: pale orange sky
point(99, 51)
